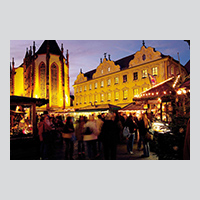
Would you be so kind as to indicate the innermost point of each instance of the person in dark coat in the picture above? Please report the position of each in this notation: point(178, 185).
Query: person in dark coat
point(143, 126)
point(68, 130)
point(109, 137)
point(132, 129)
point(79, 132)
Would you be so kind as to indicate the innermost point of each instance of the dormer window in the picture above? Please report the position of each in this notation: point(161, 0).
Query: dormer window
point(102, 71)
point(144, 57)
point(108, 69)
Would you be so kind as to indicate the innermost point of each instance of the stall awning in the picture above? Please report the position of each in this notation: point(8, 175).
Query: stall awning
point(132, 107)
point(101, 107)
point(163, 89)
point(27, 100)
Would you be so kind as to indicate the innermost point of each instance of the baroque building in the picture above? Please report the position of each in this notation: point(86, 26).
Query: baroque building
point(43, 74)
point(117, 82)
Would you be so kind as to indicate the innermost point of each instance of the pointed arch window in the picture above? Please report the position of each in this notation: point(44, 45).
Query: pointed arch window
point(42, 80)
point(54, 84)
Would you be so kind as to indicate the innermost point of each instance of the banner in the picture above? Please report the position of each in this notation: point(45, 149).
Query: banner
point(152, 80)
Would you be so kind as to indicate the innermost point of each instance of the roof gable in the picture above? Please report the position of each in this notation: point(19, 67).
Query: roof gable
point(53, 47)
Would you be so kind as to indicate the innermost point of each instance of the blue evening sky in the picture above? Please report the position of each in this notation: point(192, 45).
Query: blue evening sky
point(86, 54)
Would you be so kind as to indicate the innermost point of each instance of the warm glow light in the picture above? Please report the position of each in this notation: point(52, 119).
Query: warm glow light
point(164, 92)
point(17, 108)
point(152, 93)
point(157, 93)
point(184, 91)
point(159, 100)
point(179, 92)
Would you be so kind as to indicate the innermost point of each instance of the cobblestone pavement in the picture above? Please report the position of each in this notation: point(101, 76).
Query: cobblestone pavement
point(59, 153)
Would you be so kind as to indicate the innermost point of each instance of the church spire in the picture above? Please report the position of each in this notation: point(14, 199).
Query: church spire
point(143, 43)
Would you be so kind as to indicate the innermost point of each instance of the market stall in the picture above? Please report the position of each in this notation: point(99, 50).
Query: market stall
point(23, 115)
point(160, 99)
point(95, 109)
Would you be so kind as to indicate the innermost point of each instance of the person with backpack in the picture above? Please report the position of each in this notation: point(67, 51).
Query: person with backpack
point(90, 137)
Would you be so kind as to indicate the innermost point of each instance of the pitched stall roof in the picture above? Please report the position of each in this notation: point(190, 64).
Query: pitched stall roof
point(27, 100)
point(132, 107)
point(162, 89)
point(103, 107)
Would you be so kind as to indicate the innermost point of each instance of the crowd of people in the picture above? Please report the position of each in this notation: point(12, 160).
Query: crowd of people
point(97, 136)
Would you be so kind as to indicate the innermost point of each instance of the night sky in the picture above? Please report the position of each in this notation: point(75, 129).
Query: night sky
point(86, 54)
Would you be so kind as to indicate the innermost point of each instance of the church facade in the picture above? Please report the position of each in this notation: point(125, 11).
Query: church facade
point(117, 82)
point(43, 74)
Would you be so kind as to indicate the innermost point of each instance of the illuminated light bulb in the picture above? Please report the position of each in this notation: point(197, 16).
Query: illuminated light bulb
point(179, 92)
point(152, 94)
point(184, 91)
point(156, 92)
point(164, 92)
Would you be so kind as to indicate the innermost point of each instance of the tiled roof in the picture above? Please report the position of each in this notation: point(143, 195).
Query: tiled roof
point(53, 47)
point(124, 62)
point(89, 74)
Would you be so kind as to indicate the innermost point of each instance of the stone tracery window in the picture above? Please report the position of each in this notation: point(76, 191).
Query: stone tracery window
point(42, 80)
point(54, 83)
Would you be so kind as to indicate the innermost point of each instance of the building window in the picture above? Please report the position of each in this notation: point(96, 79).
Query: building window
point(80, 89)
point(144, 89)
point(125, 94)
point(81, 100)
point(95, 98)
point(95, 85)
point(135, 76)
point(54, 84)
point(109, 96)
point(90, 98)
point(154, 71)
point(42, 80)
point(144, 73)
point(108, 69)
point(135, 92)
point(77, 90)
point(116, 96)
point(102, 71)
point(90, 86)
point(116, 80)
point(85, 101)
point(108, 82)
point(172, 70)
point(124, 78)
point(102, 97)
point(102, 83)
point(85, 88)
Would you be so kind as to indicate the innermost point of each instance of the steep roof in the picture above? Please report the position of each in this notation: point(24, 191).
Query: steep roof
point(53, 47)
point(124, 62)
point(89, 74)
